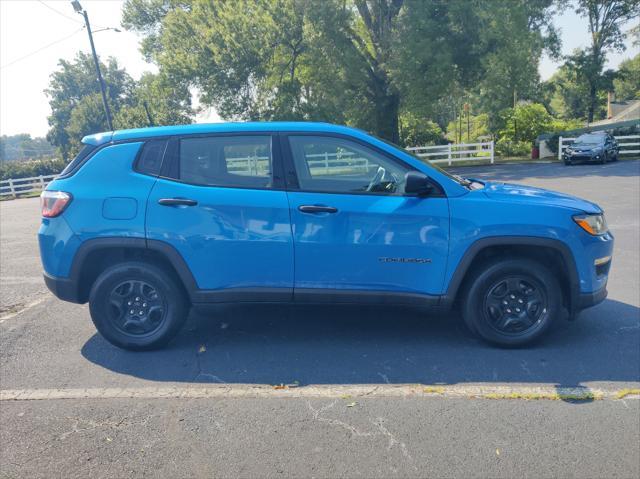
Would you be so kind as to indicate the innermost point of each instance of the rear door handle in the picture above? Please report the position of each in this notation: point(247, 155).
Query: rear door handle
point(177, 202)
point(317, 209)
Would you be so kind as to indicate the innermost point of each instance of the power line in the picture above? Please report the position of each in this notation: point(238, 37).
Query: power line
point(41, 48)
point(64, 14)
point(60, 13)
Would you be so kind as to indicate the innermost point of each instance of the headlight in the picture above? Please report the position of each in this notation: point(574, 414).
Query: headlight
point(592, 224)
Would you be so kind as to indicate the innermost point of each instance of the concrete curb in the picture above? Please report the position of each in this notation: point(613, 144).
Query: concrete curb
point(326, 391)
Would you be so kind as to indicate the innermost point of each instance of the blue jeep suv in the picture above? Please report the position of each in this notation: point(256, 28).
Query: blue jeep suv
point(145, 224)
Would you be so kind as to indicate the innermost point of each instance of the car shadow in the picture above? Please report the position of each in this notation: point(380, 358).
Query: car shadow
point(274, 344)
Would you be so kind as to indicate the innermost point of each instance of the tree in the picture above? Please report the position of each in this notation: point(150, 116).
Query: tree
point(478, 126)
point(269, 60)
point(626, 85)
point(525, 122)
point(156, 101)
point(605, 18)
point(77, 109)
point(74, 87)
point(524, 31)
point(361, 62)
point(23, 147)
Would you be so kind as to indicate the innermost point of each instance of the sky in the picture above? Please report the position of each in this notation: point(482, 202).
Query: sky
point(35, 34)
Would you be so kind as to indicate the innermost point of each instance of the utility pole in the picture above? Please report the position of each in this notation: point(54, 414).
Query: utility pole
point(78, 8)
point(467, 110)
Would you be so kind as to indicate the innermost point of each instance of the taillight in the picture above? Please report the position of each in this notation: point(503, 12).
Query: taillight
point(53, 203)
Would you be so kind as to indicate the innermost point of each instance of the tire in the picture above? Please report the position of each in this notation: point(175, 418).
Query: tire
point(605, 158)
point(567, 162)
point(156, 300)
point(517, 282)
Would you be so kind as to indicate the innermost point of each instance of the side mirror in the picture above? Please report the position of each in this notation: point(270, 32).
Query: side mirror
point(416, 183)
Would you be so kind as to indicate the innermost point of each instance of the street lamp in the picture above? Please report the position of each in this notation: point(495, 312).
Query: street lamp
point(108, 28)
point(78, 9)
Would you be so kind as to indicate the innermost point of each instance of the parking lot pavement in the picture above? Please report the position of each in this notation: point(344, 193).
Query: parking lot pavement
point(20, 271)
point(54, 345)
point(319, 438)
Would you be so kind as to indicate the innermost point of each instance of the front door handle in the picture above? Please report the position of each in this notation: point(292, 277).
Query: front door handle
point(177, 202)
point(317, 209)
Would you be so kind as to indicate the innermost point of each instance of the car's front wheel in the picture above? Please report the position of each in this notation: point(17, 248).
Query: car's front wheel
point(137, 306)
point(512, 302)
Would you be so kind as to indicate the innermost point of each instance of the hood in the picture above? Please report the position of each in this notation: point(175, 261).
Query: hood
point(529, 194)
point(585, 146)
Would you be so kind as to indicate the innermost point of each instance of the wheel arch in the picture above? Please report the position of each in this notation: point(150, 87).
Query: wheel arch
point(95, 255)
point(553, 253)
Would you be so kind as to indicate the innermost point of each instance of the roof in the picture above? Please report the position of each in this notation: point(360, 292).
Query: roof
point(200, 128)
point(592, 128)
point(622, 111)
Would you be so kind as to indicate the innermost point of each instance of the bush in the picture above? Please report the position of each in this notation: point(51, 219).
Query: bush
point(506, 147)
point(416, 131)
point(27, 169)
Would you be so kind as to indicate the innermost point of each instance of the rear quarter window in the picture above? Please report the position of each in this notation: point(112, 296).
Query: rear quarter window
point(75, 164)
point(149, 159)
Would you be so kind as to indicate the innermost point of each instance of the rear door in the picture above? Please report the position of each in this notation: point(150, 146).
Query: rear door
point(354, 228)
point(221, 204)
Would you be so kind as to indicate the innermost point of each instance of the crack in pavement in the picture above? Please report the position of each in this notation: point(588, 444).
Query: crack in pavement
point(378, 423)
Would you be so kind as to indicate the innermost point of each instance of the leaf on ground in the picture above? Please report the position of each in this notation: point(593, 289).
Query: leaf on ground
point(497, 452)
point(280, 386)
point(352, 404)
point(202, 349)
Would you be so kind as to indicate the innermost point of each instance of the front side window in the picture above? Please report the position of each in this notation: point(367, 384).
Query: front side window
point(235, 161)
point(338, 165)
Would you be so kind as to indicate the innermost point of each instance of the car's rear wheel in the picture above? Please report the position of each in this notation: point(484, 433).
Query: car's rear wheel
point(512, 302)
point(137, 306)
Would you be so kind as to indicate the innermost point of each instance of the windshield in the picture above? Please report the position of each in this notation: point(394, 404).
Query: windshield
point(458, 179)
point(590, 139)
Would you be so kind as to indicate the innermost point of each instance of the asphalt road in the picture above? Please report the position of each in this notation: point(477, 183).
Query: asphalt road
point(46, 344)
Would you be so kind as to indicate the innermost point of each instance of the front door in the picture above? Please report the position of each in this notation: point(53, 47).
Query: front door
point(353, 227)
point(220, 205)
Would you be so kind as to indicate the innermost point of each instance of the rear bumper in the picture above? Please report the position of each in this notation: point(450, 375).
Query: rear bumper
point(586, 300)
point(63, 288)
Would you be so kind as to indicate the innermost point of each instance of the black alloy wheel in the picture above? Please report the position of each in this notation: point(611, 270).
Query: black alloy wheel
point(511, 301)
point(136, 308)
point(137, 305)
point(514, 305)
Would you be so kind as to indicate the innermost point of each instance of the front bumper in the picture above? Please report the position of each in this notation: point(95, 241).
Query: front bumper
point(586, 300)
point(574, 156)
point(63, 288)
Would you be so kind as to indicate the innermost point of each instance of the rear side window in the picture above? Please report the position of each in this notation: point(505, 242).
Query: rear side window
point(77, 161)
point(233, 161)
point(150, 158)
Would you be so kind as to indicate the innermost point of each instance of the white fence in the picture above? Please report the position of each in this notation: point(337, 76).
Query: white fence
point(453, 153)
point(624, 142)
point(18, 186)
